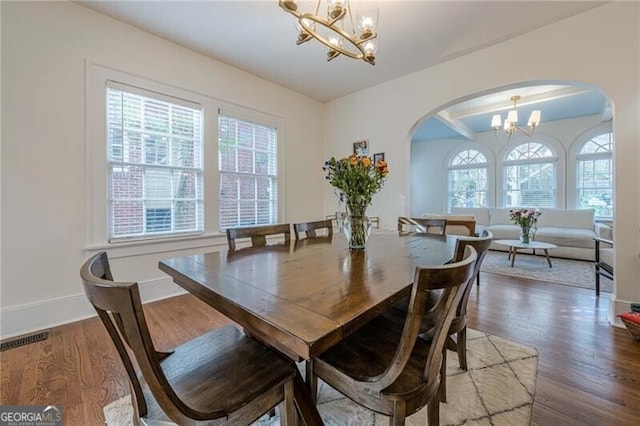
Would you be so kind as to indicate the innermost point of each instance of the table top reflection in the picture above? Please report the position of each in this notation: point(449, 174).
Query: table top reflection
point(305, 297)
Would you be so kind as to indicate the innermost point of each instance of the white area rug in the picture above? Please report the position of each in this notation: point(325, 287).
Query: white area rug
point(497, 389)
point(576, 273)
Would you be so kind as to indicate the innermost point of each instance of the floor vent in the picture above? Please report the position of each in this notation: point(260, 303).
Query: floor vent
point(25, 340)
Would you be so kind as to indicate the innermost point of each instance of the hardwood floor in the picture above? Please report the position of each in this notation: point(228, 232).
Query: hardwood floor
point(588, 373)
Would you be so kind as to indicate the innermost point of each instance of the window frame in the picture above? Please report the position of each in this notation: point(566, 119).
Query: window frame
point(96, 190)
point(486, 165)
point(197, 169)
point(266, 121)
point(574, 156)
point(557, 158)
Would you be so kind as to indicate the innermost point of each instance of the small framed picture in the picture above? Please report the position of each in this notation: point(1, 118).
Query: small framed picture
point(361, 148)
point(377, 157)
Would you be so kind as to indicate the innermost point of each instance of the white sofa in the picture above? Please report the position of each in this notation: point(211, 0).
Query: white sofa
point(571, 230)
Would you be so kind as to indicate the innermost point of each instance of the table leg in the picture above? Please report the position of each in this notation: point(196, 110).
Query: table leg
point(546, 253)
point(307, 409)
point(513, 256)
point(509, 257)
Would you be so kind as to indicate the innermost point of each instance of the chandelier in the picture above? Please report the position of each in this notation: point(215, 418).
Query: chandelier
point(336, 29)
point(511, 122)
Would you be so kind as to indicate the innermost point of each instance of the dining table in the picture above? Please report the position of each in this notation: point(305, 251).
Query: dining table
point(303, 297)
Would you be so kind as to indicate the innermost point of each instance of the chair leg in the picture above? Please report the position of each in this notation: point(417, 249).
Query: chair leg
point(478, 279)
point(433, 413)
point(399, 414)
point(462, 348)
point(442, 389)
point(288, 408)
point(597, 280)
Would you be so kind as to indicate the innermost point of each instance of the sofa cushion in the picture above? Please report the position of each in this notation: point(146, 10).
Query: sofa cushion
point(481, 214)
point(560, 218)
point(504, 232)
point(566, 237)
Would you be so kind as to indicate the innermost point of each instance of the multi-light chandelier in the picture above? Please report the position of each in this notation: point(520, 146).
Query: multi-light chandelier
point(511, 122)
point(337, 29)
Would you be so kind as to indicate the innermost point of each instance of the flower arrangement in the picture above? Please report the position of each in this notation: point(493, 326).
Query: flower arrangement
point(527, 219)
point(356, 180)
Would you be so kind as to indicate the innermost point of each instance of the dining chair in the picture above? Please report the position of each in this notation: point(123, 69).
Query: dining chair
point(458, 327)
point(456, 224)
point(258, 234)
point(603, 260)
point(385, 366)
point(222, 375)
point(310, 228)
point(420, 225)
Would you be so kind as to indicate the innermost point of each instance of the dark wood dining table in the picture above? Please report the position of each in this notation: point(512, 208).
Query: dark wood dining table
point(306, 296)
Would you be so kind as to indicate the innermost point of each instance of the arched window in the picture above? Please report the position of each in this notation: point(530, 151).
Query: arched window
point(594, 175)
point(467, 179)
point(530, 176)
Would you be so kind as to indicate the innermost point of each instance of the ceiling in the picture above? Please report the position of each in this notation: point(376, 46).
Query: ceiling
point(259, 37)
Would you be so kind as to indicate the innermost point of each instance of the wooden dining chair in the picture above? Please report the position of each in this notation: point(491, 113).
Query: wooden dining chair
point(420, 225)
point(258, 234)
point(458, 326)
point(310, 228)
point(222, 375)
point(385, 366)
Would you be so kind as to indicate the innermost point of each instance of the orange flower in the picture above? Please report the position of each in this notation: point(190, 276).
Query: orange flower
point(353, 160)
point(366, 161)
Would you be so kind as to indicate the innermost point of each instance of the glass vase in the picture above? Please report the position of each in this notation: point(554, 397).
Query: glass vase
point(525, 235)
point(356, 230)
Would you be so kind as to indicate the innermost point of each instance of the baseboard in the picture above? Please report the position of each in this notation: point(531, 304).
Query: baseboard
point(23, 319)
point(616, 307)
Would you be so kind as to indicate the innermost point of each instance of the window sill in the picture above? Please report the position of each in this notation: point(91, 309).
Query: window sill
point(144, 247)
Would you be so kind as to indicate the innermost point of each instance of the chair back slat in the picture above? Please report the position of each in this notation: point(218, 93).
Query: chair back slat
point(311, 228)
point(258, 234)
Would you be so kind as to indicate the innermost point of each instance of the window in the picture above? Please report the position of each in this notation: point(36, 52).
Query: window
point(467, 180)
point(248, 165)
point(530, 176)
point(594, 175)
point(154, 165)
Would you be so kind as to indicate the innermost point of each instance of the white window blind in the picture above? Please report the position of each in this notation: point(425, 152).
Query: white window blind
point(530, 176)
point(467, 182)
point(248, 164)
point(595, 175)
point(155, 165)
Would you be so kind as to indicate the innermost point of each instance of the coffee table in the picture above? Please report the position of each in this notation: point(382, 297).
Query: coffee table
point(515, 245)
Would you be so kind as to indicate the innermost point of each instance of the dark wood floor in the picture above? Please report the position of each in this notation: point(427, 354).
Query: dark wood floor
point(588, 374)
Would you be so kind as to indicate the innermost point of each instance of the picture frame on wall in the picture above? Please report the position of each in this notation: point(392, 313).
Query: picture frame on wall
point(377, 157)
point(361, 148)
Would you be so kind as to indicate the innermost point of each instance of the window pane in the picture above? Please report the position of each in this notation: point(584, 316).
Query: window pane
point(468, 187)
point(155, 166)
point(594, 175)
point(530, 185)
point(248, 163)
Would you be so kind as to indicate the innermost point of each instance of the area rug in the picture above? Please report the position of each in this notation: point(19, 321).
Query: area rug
point(575, 273)
point(498, 389)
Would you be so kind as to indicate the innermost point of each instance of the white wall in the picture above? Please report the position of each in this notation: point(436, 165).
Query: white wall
point(598, 47)
point(429, 161)
point(44, 49)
